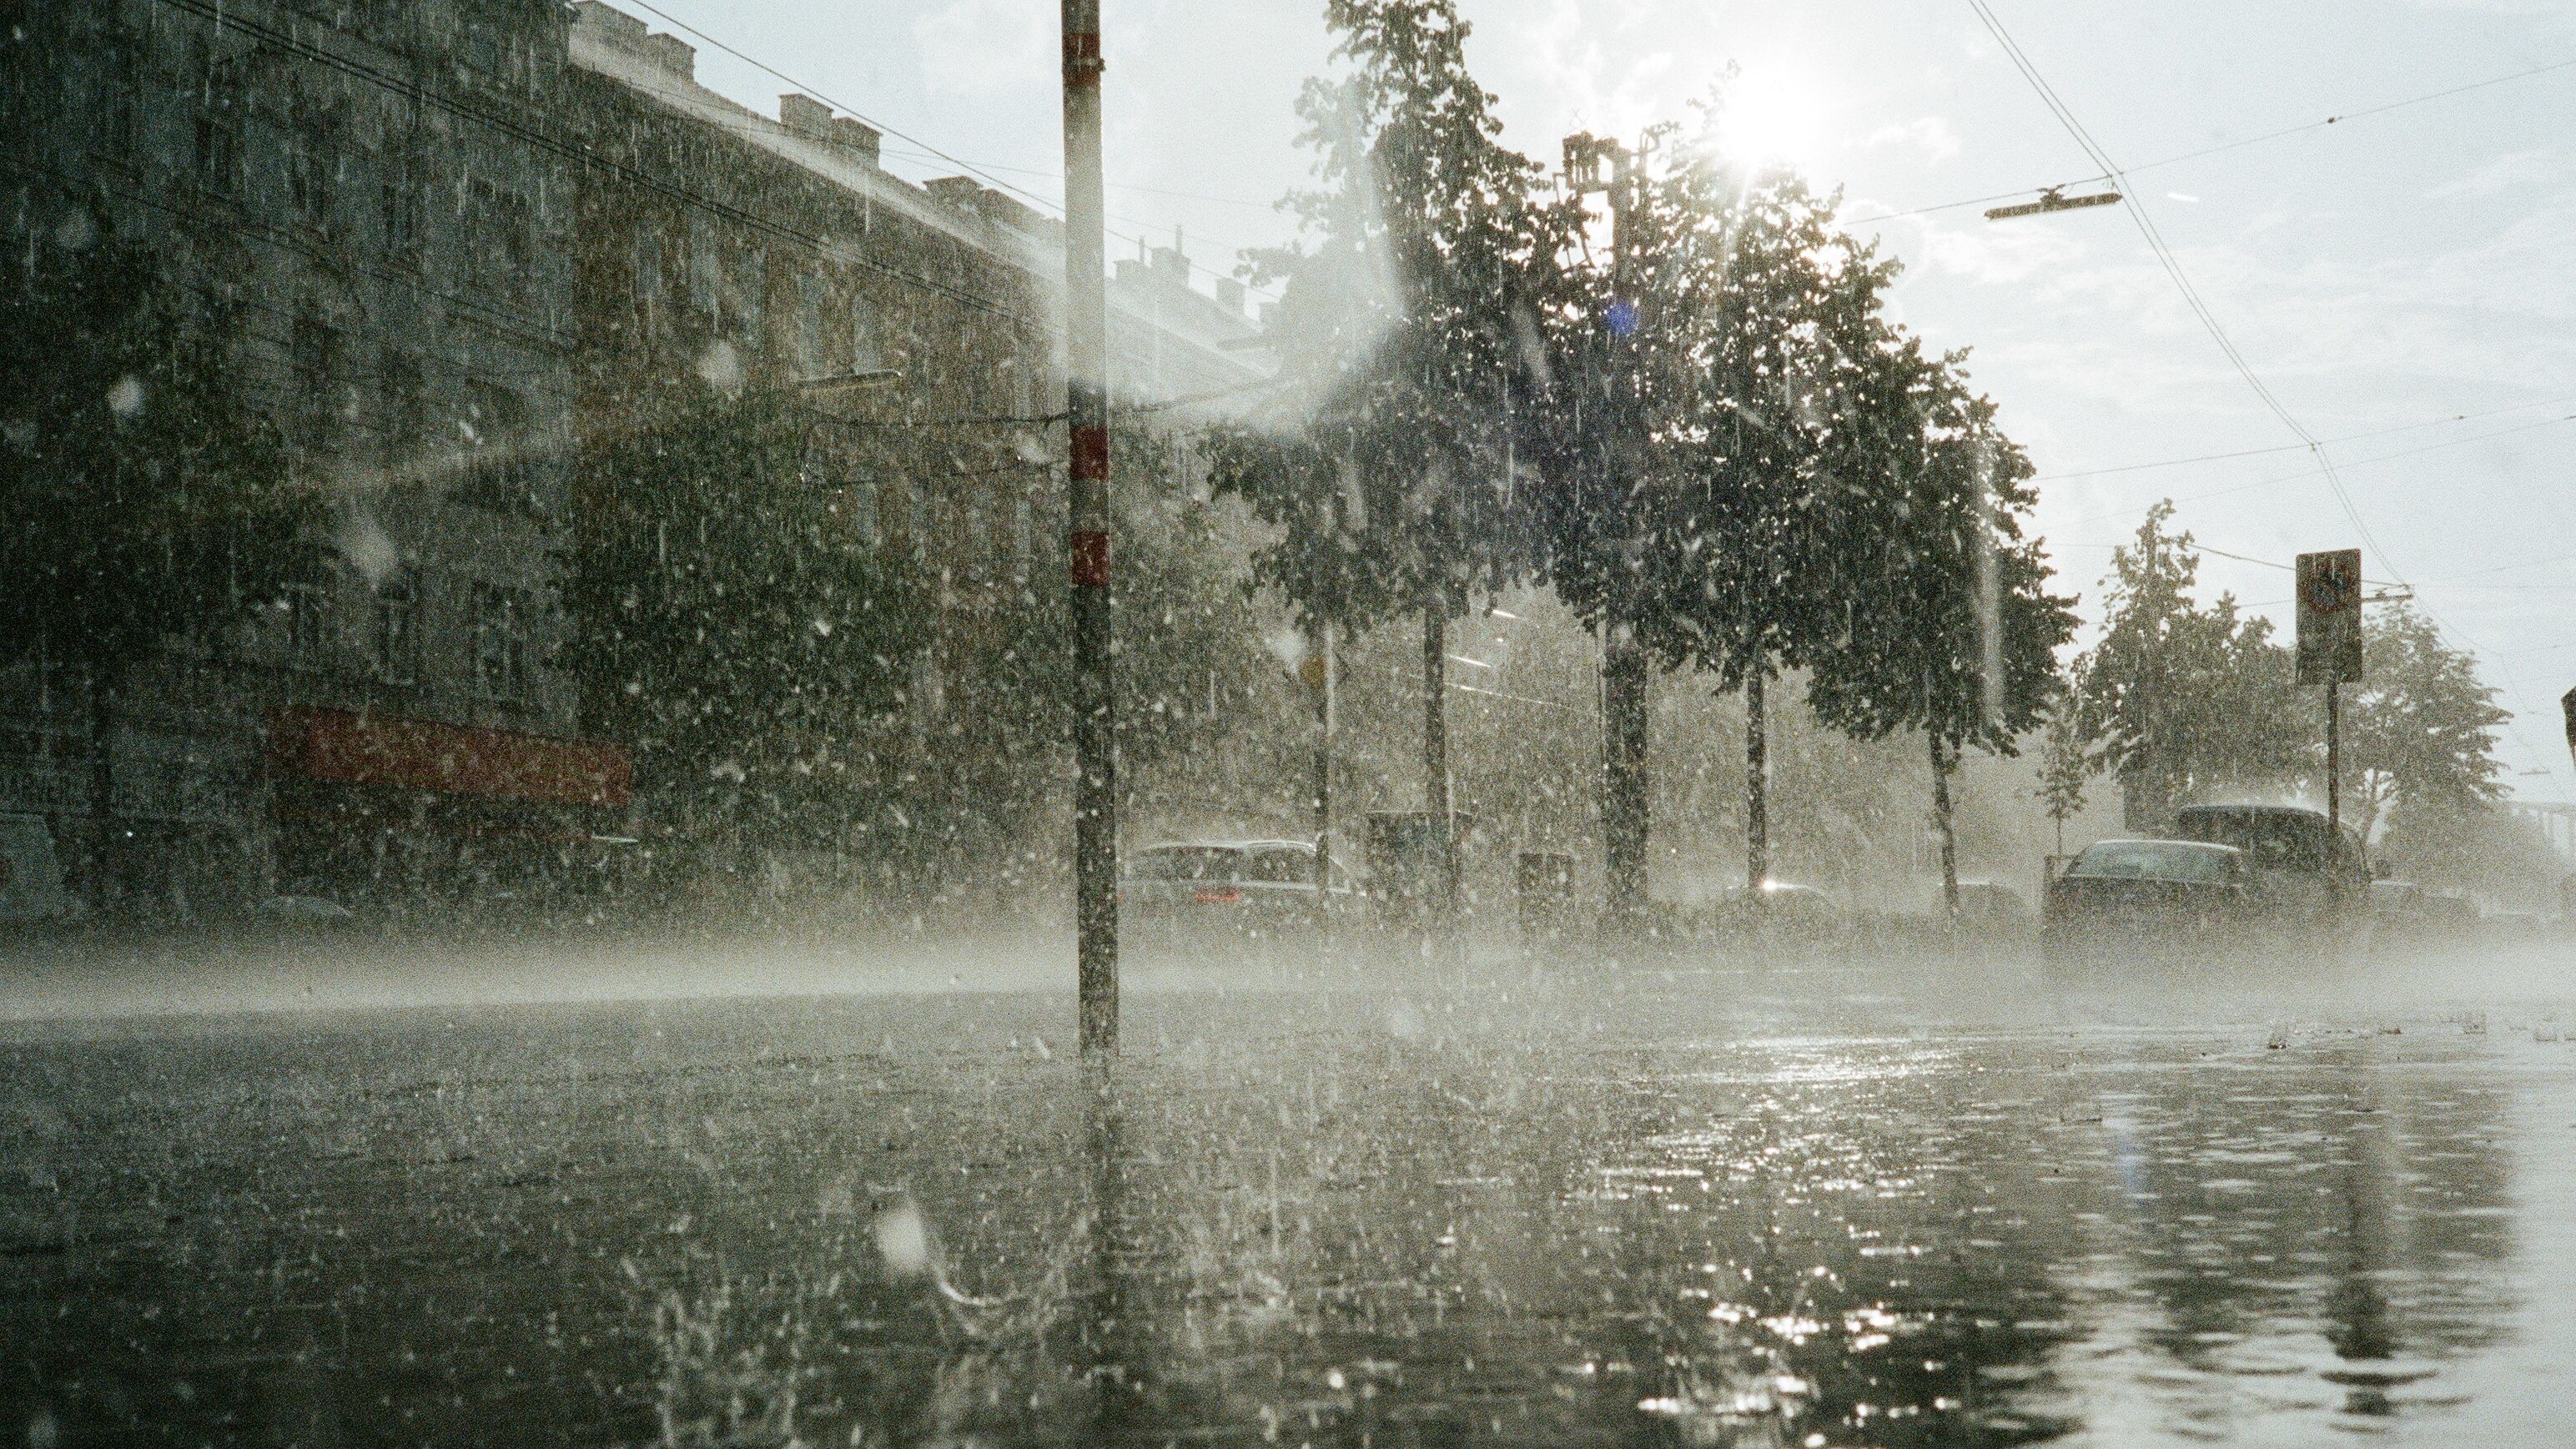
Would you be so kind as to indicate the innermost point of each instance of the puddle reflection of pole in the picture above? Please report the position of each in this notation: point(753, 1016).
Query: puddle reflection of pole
point(1111, 1347)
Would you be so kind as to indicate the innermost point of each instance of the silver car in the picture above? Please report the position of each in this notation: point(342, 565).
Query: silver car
point(1250, 885)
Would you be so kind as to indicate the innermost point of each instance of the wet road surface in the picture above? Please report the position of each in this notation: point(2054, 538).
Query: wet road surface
point(1667, 1207)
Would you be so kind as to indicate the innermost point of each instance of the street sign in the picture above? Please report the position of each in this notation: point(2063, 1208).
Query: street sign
point(2330, 617)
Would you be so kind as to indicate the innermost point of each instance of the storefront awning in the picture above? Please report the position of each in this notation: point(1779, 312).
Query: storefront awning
point(348, 748)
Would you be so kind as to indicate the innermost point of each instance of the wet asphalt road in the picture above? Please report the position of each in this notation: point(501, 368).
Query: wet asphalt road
point(1671, 1206)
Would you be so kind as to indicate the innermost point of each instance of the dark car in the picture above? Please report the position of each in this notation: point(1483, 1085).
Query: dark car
point(1251, 885)
point(2122, 897)
point(2304, 871)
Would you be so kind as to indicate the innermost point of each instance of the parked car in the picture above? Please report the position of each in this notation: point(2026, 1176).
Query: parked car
point(2120, 897)
point(1249, 885)
point(1990, 903)
point(2303, 872)
point(1781, 904)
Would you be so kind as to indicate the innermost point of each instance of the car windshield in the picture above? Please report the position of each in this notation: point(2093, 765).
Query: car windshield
point(2155, 860)
point(1189, 862)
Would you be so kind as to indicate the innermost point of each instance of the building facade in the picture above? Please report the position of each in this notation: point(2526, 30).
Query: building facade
point(344, 198)
point(444, 244)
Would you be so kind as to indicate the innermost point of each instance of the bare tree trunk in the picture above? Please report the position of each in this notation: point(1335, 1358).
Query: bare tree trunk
point(1435, 760)
point(1757, 783)
point(1624, 806)
point(103, 685)
point(1943, 762)
point(1323, 780)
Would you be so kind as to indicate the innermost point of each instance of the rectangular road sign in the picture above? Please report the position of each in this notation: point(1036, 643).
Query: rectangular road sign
point(2330, 617)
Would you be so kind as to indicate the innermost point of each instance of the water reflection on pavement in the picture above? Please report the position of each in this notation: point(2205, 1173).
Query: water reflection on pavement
point(1534, 1211)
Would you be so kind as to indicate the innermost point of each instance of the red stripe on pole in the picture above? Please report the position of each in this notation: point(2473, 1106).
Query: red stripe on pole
point(1090, 452)
point(1090, 558)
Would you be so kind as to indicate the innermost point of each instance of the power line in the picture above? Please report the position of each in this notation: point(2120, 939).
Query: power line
point(968, 167)
point(2294, 447)
point(2173, 268)
point(2191, 296)
point(2286, 131)
point(2278, 478)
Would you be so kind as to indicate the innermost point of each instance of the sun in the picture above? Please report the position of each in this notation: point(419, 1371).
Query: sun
point(1771, 114)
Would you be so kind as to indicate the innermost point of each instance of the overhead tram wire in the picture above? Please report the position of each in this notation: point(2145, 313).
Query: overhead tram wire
point(2191, 296)
point(2173, 268)
point(2287, 131)
point(2278, 478)
point(2340, 438)
point(963, 165)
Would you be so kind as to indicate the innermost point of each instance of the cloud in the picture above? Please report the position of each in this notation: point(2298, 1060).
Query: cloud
point(2516, 168)
point(979, 47)
point(1929, 134)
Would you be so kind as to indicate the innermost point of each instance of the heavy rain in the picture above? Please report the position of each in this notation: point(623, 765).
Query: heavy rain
point(1346, 722)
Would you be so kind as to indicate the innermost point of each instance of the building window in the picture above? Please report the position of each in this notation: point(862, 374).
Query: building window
point(313, 351)
point(500, 641)
point(220, 104)
point(858, 505)
point(121, 67)
point(398, 627)
point(706, 269)
point(308, 156)
point(648, 278)
point(398, 195)
point(865, 355)
point(307, 603)
point(399, 380)
point(810, 360)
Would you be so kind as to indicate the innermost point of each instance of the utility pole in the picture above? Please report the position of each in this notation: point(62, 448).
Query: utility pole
point(1086, 357)
point(1593, 164)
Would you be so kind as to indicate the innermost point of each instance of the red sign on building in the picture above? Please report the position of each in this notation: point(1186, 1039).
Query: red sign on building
point(343, 747)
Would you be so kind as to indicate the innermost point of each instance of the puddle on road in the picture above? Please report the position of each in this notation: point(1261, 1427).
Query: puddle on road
point(893, 1221)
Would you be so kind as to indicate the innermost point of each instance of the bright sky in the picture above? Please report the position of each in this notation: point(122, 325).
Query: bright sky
point(2382, 276)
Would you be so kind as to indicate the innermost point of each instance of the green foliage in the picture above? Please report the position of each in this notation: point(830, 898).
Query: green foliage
point(737, 628)
point(1948, 625)
point(144, 500)
point(2180, 700)
point(2064, 767)
point(1402, 332)
point(2419, 730)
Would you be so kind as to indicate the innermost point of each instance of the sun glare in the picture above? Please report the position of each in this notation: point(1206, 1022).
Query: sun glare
point(1772, 115)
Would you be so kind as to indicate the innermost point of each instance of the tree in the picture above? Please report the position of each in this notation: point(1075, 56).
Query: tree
point(2181, 700)
point(2419, 730)
point(1402, 328)
point(1949, 626)
point(145, 501)
point(2064, 768)
point(736, 623)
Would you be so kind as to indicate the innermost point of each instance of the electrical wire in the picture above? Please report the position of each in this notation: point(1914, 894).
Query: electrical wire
point(2200, 308)
point(2295, 447)
point(2333, 120)
point(968, 167)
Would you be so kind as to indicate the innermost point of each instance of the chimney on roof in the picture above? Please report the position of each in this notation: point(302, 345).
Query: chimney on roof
point(806, 118)
point(1229, 295)
point(1172, 266)
point(616, 30)
point(673, 54)
point(856, 139)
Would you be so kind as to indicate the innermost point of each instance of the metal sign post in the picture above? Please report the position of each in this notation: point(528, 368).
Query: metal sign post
point(2330, 654)
point(1086, 387)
